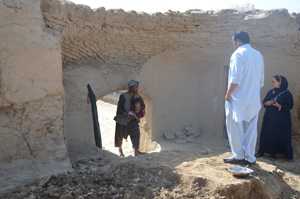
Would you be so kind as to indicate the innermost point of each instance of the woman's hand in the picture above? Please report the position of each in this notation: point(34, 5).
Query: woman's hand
point(227, 97)
point(132, 115)
point(269, 103)
point(276, 104)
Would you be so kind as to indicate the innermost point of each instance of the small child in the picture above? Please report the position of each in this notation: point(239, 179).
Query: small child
point(137, 111)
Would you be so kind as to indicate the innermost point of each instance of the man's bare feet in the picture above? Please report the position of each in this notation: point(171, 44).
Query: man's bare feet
point(121, 153)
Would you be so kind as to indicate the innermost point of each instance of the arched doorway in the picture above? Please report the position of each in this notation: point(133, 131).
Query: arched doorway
point(78, 123)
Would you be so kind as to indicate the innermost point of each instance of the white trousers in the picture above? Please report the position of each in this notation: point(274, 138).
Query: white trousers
point(242, 137)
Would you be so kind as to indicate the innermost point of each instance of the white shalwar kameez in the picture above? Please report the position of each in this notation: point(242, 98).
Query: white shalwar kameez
point(247, 71)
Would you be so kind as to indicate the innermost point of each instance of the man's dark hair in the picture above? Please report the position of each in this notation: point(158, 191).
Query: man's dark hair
point(243, 37)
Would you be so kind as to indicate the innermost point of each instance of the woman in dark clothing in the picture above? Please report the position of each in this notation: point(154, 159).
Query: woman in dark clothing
point(128, 117)
point(276, 133)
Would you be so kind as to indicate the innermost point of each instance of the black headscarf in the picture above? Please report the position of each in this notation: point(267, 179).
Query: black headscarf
point(275, 93)
point(283, 83)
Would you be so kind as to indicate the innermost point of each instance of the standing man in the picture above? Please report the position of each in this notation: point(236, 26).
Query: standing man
point(130, 109)
point(242, 99)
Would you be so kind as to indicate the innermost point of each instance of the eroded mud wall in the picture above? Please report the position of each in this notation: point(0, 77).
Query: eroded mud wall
point(129, 39)
point(31, 96)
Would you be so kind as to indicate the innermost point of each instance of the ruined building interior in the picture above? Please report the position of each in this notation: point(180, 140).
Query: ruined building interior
point(51, 49)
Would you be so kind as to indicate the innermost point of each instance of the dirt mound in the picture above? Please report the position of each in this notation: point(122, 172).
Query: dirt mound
point(165, 175)
point(126, 180)
point(161, 176)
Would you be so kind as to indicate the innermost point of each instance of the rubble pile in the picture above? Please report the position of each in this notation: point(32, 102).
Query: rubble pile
point(187, 135)
point(92, 180)
point(154, 177)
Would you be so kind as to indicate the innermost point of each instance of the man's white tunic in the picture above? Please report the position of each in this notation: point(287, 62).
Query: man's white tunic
point(247, 71)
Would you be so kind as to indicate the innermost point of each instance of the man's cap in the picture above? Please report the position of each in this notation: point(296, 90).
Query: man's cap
point(133, 83)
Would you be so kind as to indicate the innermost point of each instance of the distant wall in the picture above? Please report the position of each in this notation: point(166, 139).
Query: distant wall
point(187, 88)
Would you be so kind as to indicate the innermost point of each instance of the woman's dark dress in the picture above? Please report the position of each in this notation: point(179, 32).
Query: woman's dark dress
point(276, 133)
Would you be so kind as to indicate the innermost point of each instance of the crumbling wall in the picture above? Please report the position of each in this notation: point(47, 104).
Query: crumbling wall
point(109, 39)
point(31, 95)
point(114, 36)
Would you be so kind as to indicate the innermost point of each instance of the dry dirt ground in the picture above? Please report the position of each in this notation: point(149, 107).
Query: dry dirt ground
point(179, 171)
point(164, 175)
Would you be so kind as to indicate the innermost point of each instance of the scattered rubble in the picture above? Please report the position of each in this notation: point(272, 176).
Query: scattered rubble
point(187, 135)
point(155, 176)
point(129, 181)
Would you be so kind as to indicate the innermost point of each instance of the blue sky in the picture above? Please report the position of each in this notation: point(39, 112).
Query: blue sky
point(182, 5)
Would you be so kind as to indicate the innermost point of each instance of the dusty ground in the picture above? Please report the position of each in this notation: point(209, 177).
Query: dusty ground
point(179, 171)
point(164, 175)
